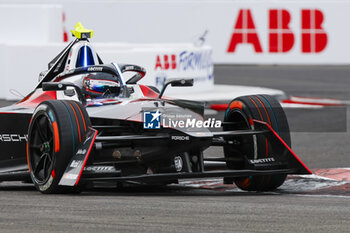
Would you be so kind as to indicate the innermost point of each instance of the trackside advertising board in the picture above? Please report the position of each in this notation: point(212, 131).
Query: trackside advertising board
point(240, 32)
point(293, 33)
point(31, 50)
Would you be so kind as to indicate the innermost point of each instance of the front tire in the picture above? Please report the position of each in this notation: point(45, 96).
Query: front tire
point(240, 111)
point(56, 129)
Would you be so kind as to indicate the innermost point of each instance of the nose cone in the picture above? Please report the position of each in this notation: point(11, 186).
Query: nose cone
point(154, 114)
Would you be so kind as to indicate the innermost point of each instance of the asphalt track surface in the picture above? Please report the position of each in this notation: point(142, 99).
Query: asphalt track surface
point(181, 208)
point(326, 149)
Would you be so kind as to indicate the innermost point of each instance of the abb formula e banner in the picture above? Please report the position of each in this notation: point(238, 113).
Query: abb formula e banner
point(289, 35)
point(240, 32)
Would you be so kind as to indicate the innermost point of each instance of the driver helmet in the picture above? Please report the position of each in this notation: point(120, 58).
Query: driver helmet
point(98, 85)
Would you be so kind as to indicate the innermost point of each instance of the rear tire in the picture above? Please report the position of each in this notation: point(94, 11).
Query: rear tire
point(241, 110)
point(56, 129)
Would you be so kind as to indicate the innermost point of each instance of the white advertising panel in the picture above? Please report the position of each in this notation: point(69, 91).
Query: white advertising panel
point(19, 73)
point(240, 32)
point(30, 42)
point(30, 23)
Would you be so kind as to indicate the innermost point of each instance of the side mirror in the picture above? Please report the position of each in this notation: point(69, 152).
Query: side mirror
point(56, 86)
point(176, 83)
point(182, 83)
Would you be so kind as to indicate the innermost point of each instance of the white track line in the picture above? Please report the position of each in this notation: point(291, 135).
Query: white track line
point(292, 105)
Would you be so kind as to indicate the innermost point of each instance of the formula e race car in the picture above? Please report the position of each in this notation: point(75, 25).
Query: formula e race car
point(85, 123)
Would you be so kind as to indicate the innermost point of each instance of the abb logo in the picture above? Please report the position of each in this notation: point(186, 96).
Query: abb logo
point(186, 60)
point(281, 37)
point(166, 62)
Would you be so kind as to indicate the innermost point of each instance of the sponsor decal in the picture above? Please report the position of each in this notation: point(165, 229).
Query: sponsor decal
point(81, 152)
point(154, 119)
point(281, 38)
point(151, 120)
point(191, 123)
point(13, 137)
point(99, 168)
point(166, 62)
point(195, 60)
point(76, 163)
point(95, 69)
point(195, 64)
point(180, 138)
point(259, 161)
point(70, 176)
point(186, 60)
point(127, 68)
point(178, 163)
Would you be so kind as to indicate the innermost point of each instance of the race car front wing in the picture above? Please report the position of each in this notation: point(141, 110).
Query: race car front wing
point(283, 157)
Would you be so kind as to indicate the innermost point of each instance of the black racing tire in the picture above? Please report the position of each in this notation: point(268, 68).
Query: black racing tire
point(241, 110)
point(55, 131)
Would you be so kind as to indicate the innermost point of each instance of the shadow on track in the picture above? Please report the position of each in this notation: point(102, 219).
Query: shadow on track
point(139, 190)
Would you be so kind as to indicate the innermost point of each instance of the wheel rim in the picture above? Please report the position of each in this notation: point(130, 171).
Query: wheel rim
point(41, 153)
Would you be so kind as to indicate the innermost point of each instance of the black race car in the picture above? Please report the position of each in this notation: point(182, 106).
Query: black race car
point(85, 123)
